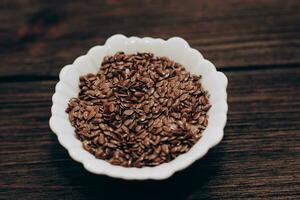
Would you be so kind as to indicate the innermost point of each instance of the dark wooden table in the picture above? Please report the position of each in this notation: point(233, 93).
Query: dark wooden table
point(255, 43)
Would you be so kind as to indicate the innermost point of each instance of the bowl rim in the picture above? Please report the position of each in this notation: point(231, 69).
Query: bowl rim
point(97, 166)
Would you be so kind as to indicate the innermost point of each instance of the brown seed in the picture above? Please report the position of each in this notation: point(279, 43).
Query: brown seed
point(196, 116)
point(189, 87)
point(114, 162)
point(128, 122)
point(176, 103)
point(158, 84)
point(96, 120)
point(138, 94)
point(111, 108)
point(205, 122)
point(166, 128)
point(201, 120)
point(165, 148)
point(142, 119)
point(89, 108)
point(206, 107)
point(202, 100)
point(177, 92)
point(194, 130)
point(103, 127)
point(116, 155)
point(170, 102)
point(157, 150)
point(143, 134)
point(118, 117)
point(160, 71)
point(95, 140)
point(125, 129)
point(157, 123)
point(91, 114)
point(101, 139)
point(114, 142)
point(163, 139)
point(175, 115)
point(128, 112)
point(183, 97)
point(138, 128)
point(99, 154)
point(86, 115)
point(132, 125)
point(147, 108)
point(111, 145)
point(158, 131)
point(175, 149)
point(151, 91)
point(86, 144)
point(152, 156)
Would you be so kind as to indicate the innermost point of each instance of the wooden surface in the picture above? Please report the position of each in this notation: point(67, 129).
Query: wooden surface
point(255, 43)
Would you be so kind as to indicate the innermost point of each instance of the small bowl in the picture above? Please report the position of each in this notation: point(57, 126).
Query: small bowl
point(174, 48)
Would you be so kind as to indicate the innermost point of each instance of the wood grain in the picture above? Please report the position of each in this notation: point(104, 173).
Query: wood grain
point(255, 42)
point(37, 38)
point(259, 157)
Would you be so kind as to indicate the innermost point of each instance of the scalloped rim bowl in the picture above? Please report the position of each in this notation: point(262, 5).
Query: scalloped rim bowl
point(176, 49)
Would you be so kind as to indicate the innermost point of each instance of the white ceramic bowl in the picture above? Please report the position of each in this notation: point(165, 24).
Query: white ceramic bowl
point(176, 49)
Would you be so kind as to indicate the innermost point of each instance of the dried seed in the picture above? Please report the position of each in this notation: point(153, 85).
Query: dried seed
point(118, 117)
point(146, 141)
point(158, 131)
point(99, 154)
point(138, 94)
point(194, 130)
point(111, 108)
point(158, 84)
point(114, 162)
point(86, 144)
point(110, 145)
point(91, 114)
point(201, 120)
point(116, 155)
point(142, 119)
point(157, 150)
point(143, 134)
point(177, 149)
point(166, 128)
point(165, 148)
point(205, 122)
point(206, 107)
point(147, 108)
point(103, 127)
point(128, 122)
point(175, 115)
point(128, 112)
point(157, 123)
point(152, 156)
point(138, 128)
point(183, 97)
point(170, 102)
point(86, 115)
point(89, 108)
point(125, 129)
point(101, 139)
